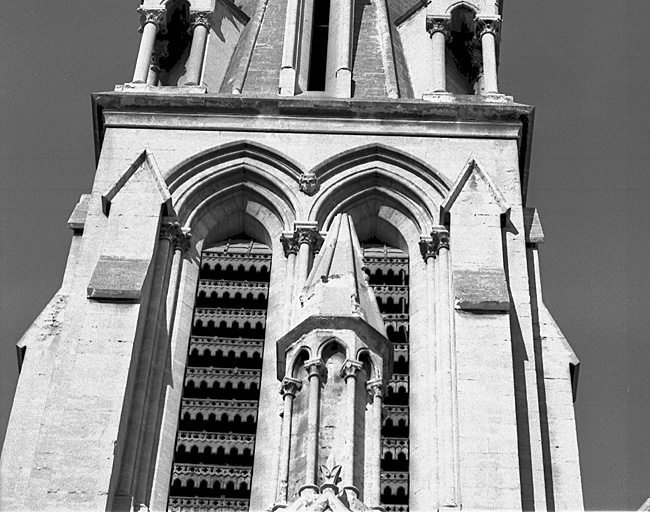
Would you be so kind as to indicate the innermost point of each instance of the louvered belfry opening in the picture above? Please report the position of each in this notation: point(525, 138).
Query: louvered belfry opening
point(388, 268)
point(215, 445)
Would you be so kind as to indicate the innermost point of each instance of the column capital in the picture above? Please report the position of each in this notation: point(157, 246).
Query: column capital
point(202, 18)
point(155, 15)
point(440, 238)
point(289, 243)
point(488, 25)
point(290, 387)
point(179, 237)
point(438, 23)
point(315, 368)
point(375, 389)
point(309, 235)
point(350, 369)
point(430, 246)
point(427, 248)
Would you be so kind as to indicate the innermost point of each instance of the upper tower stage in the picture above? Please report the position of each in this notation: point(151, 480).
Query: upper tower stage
point(332, 48)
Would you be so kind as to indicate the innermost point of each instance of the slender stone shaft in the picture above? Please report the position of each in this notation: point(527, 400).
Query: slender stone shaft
point(432, 387)
point(163, 457)
point(349, 373)
point(145, 52)
point(446, 370)
point(289, 389)
point(344, 68)
point(288, 70)
point(439, 64)
point(139, 443)
point(290, 246)
point(372, 487)
point(428, 248)
point(201, 27)
point(308, 239)
point(438, 28)
point(289, 286)
point(154, 70)
point(314, 370)
point(489, 63)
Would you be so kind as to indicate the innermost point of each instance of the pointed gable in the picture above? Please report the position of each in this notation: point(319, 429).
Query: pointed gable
point(134, 206)
point(337, 284)
point(476, 206)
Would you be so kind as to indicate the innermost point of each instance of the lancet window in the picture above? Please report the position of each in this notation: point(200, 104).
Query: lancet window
point(389, 277)
point(215, 444)
point(316, 53)
point(465, 50)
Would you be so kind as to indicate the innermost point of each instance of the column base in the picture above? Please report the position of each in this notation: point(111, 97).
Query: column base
point(308, 489)
point(449, 508)
point(287, 82)
point(496, 97)
point(172, 89)
point(437, 96)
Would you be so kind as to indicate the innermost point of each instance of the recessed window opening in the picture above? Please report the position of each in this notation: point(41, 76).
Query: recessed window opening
point(319, 42)
point(227, 392)
point(465, 49)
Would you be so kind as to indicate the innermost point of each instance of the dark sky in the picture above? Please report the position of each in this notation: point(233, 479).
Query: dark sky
point(585, 65)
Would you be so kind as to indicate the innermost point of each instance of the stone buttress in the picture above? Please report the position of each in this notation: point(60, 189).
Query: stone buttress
point(306, 277)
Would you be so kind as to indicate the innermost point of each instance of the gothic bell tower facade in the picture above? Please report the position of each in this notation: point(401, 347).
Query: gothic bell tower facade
point(306, 278)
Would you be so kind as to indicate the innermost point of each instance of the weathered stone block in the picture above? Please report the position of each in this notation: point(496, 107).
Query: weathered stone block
point(118, 279)
point(481, 289)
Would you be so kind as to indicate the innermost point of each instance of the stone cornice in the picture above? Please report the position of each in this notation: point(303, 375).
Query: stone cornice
point(469, 116)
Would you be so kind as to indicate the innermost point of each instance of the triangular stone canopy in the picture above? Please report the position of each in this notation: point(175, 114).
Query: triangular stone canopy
point(473, 170)
point(337, 284)
point(147, 162)
point(337, 299)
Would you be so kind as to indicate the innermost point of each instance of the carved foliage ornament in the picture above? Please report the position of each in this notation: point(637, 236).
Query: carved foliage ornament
point(149, 15)
point(289, 243)
point(427, 248)
point(438, 24)
point(430, 247)
point(309, 236)
point(309, 184)
point(179, 237)
point(440, 239)
point(375, 389)
point(488, 26)
point(315, 368)
point(290, 387)
point(202, 18)
point(350, 369)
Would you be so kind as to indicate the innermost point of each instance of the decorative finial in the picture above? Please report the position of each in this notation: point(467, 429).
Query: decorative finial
point(330, 476)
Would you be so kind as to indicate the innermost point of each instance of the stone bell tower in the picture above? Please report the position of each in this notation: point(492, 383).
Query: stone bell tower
point(306, 278)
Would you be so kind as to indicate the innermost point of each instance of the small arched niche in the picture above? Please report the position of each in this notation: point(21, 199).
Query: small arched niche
point(173, 44)
point(464, 62)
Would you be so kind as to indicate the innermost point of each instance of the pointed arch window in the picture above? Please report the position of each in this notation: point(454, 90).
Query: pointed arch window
point(215, 442)
point(388, 269)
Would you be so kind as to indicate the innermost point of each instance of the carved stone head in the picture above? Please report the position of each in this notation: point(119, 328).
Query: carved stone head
point(309, 184)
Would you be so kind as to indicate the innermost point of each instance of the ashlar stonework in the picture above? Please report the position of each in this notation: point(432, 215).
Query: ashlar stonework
point(306, 278)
